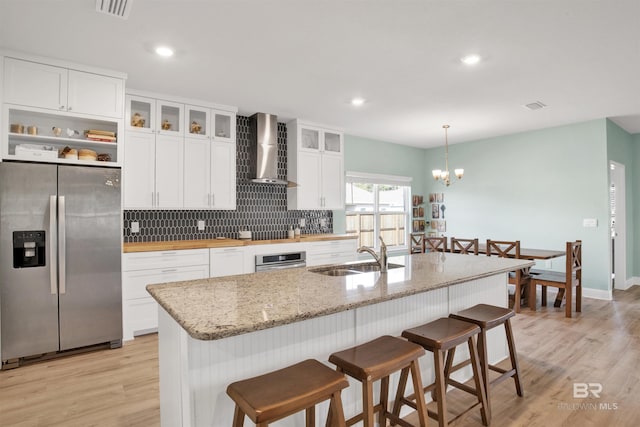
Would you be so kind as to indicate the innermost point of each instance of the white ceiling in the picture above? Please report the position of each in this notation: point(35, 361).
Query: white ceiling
point(307, 58)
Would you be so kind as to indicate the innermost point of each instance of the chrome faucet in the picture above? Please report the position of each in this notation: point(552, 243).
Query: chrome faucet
point(381, 259)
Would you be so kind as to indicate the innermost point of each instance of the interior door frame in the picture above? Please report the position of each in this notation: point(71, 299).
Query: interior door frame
point(617, 177)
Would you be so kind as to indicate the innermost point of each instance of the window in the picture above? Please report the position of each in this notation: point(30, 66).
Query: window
point(378, 205)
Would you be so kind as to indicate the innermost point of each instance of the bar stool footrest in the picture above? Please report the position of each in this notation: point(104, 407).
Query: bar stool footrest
point(462, 387)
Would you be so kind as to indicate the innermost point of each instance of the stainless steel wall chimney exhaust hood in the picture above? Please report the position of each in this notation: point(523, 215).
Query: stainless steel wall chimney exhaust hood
point(263, 148)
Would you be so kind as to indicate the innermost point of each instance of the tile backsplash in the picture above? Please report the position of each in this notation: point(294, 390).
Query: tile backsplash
point(261, 208)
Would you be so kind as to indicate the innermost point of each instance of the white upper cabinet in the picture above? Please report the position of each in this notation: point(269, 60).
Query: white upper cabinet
point(52, 111)
point(316, 164)
point(169, 171)
point(139, 171)
point(209, 158)
point(197, 173)
point(193, 168)
point(223, 175)
point(66, 90)
point(35, 85)
point(153, 172)
point(203, 122)
point(94, 94)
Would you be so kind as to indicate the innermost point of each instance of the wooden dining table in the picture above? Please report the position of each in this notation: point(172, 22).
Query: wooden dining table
point(529, 253)
point(532, 254)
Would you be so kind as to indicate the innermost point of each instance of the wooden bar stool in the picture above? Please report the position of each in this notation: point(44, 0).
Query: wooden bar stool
point(377, 360)
point(278, 394)
point(441, 337)
point(488, 317)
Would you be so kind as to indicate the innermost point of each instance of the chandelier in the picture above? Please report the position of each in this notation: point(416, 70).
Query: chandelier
point(443, 175)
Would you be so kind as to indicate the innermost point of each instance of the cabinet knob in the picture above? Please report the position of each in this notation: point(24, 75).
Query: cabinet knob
point(62, 107)
point(69, 108)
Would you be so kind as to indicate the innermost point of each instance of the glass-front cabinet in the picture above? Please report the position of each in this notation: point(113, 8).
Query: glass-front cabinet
point(179, 155)
point(203, 122)
point(332, 142)
point(141, 113)
point(313, 138)
point(170, 118)
point(224, 124)
point(316, 164)
point(197, 122)
point(309, 138)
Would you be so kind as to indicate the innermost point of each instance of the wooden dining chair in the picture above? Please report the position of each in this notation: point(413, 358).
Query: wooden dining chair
point(519, 278)
point(464, 246)
point(435, 244)
point(564, 281)
point(417, 243)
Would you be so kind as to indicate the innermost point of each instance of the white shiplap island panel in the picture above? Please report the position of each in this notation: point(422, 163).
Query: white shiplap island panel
point(216, 331)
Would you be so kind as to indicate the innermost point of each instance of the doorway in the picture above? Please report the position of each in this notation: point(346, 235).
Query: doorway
point(618, 225)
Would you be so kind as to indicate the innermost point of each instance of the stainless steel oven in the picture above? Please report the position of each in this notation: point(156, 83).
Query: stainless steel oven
point(281, 261)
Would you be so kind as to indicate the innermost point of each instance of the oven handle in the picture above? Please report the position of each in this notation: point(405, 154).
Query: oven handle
point(280, 266)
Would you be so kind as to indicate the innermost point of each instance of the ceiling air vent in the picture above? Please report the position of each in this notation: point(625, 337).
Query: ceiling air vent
point(119, 8)
point(535, 106)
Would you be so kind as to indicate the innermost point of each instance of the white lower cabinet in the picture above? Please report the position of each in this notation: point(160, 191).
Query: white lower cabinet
point(139, 269)
point(331, 252)
point(226, 261)
point(140, 311)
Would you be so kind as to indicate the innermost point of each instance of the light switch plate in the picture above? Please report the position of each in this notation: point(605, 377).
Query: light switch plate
point(303, 222)
point(323, 222)
point(135, 227)
point(201, 225)
point(590, 222)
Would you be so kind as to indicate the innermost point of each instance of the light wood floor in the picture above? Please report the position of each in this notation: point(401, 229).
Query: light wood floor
point(601, 345)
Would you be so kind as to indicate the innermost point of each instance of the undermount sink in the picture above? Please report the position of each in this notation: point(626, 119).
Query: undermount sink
point(349, 269)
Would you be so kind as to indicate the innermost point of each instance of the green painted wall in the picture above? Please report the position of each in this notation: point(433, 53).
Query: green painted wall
point(535, 187)
point(620, 148)
point(373, 156)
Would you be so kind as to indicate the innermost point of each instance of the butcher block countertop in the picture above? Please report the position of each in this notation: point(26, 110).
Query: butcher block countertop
point(225, 243)
point(220, 307)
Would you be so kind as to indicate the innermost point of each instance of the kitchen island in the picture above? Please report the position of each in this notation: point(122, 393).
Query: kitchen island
point(216, 331)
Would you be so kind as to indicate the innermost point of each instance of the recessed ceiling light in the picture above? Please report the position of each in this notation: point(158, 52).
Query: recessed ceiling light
point(357, 102)
point(164, 51)
point(470, 59)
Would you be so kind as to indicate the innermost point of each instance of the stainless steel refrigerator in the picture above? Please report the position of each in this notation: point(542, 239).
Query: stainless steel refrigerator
point(60, 252)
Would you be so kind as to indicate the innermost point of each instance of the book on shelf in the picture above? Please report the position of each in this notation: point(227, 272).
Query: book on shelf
point(100, 132)
point(102, 138)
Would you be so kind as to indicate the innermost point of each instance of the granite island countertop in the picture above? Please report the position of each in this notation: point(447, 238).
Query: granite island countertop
point(220, 307)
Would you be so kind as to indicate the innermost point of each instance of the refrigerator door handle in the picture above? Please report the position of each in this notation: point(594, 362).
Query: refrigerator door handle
point(53, 263)
point(62, 245)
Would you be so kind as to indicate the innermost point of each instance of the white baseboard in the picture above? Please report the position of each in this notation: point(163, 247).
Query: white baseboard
point(605, 294)
point(628, 283)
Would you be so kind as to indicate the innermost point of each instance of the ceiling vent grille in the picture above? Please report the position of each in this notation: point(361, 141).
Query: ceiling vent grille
point(119, 8)
point(535, 106)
